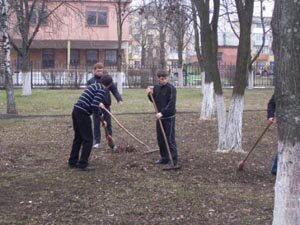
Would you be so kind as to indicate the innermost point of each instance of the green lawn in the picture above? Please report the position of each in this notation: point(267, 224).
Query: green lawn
point(60, 102)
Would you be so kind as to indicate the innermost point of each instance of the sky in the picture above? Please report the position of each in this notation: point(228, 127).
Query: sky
point(269, 5)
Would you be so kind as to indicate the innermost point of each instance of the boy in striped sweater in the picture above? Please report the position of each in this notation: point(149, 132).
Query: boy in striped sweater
point(93, 97)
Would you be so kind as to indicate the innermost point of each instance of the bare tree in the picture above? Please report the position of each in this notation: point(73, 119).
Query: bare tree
point(10, 98)
point(235, 116)
point(122, 13)
point(230, 13)
point(28, 17)
point(286, 46)
point(142, 35)
point(160, 11)
point(209, 46)
point(179, 26)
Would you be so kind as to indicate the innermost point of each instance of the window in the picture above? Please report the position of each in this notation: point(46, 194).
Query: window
point(173, 49)
point(75, 57)
point(110, 58)
point(172, 37)
point(48, 60)
point(258, 25)
point(136, 50)
point(220, 56)
point(41, 14)
point(97, 17)
point(258, 37)
point(91, 57)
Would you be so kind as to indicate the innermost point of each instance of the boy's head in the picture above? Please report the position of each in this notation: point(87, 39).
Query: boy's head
point(162, 77)
point(106, 80)
point(98, 69)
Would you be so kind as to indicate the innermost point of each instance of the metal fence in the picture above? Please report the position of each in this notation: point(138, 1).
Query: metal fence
point(132, 76)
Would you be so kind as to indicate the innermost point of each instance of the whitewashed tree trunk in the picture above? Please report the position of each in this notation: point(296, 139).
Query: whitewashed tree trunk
point(234, 124)
point(119, 80)
point(26, 76)
point(207, 109)
point(287, 189)
point(250, 79)
point(221, 116)
point(180, 77)
point(286, 48)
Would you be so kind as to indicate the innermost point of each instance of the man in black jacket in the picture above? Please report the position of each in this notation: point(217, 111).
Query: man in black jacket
point(98, 72)
point(164, 95)
point(271, 119)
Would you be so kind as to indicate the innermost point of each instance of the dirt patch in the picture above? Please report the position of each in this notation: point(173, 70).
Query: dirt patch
point(37, 187)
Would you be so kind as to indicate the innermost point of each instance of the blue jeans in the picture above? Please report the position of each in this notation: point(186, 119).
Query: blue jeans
point(274, 164)
point(96, 122)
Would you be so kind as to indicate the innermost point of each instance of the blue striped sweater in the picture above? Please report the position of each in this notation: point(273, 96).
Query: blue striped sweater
point(90, 99)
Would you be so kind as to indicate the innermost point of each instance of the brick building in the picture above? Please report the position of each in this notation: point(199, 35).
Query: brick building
point(80, 33)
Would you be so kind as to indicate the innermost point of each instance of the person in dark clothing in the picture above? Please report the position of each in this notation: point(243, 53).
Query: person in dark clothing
point(98, 72)
point(89, 102)
point(164, 95)
point(271, 119)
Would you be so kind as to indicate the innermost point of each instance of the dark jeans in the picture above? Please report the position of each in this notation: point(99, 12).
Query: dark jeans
point(274, 164)
point(83, 136)
point(169, 127)
point(96, 122)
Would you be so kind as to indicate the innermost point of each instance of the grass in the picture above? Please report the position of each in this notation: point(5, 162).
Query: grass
point(60, 102)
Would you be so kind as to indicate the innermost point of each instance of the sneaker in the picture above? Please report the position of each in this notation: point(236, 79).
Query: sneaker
point(96, 145)
point(72, 166)
point(87, 168)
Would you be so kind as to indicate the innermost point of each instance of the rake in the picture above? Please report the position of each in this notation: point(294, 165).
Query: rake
point(173, 166)
point(242, 163)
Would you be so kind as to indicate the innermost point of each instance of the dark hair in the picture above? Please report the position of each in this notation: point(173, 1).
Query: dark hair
point(161, 73)
point(106, 80)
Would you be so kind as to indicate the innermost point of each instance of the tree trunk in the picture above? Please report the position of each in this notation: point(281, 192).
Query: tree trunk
point(207, 109)
point(234, 120)
point(234, 124)
point(286, 48)
point(26, 77)
point(162, 40)
point(10, 97)
point(221, 116)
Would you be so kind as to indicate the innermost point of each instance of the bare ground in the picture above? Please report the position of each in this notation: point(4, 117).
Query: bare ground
point(37, 187)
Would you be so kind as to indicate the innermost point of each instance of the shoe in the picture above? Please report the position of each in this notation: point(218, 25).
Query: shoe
point(87, 168)
point(72, 166)
point(162, 161)
point(96, 145)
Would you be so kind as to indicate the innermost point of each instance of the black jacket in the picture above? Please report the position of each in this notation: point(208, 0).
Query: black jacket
point(271, 107)
point(165, 99)
point(113, 89)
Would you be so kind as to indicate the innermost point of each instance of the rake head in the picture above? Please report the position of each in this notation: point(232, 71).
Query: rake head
point(111, 142)
point(241, 166)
